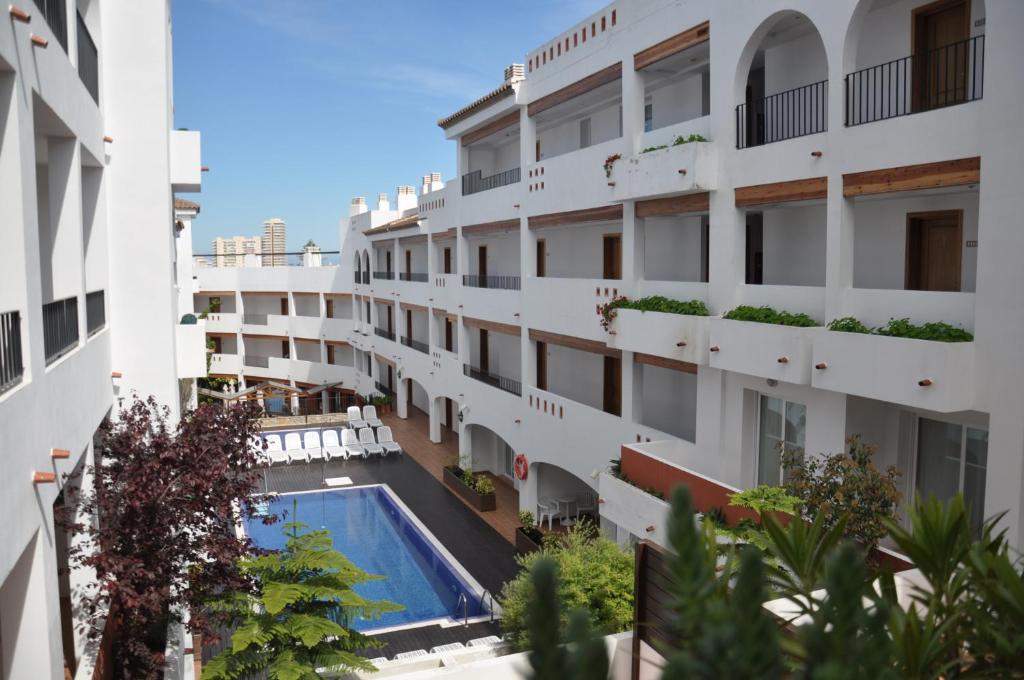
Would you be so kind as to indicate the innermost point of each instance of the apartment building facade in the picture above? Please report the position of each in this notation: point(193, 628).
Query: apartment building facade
point(274, 243)
point(99, 275)
point(843, 159)
point(231, 251)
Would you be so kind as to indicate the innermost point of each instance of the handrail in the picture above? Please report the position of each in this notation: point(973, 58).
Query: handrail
point(484, 594)
point(499, 281)
point(464, 601)
point(475, 182)
point(784, 115)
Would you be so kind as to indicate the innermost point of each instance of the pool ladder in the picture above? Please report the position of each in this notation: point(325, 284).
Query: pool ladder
point(464, 601)
point(487, 594)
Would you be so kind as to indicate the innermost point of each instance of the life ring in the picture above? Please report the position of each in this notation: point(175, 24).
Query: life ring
point(522, 467)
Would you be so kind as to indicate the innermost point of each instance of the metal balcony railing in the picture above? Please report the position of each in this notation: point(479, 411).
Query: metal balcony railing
point(948, 75)
point(384, 389)
point(357, 276)
point(11, 366)
point(390, 276)
point(256, 360)
point(380, 332)
point(60, 328)
point(502, 383)
point(56, 14)
point(88, 61)
point(474, 182)
point(255, 319)
point(416, 344)
point(366, 277)
point(501, 281)
point(793, 113)
point(413, 276)
point(95, 312)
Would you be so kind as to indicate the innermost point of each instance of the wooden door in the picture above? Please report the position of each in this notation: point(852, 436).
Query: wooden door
point(330, 354)
point(408, 324)
point(542, 365)
point(448, 334)
point(541, 257)
point(613, 385)
point(447, 260)
point(408, 261)
point(389, 327)
point(330, 308)
point(940, 55)
point(612, 256)
point(482, 265)
point(387, 261)
point(391, 377)
point(755, 249)
point(536, 151)
point(448, 420)
point(284, 306)
point(285, 352)
point(217, 344)
point(934, 250)
point(485, 352)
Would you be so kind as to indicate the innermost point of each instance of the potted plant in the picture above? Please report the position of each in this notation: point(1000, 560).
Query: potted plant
point(475, 489)
point(528, 536)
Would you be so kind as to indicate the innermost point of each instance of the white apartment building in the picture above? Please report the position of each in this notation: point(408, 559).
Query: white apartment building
point(98, 276)
point(859, 159)
point(274, 243)
point(231, 251)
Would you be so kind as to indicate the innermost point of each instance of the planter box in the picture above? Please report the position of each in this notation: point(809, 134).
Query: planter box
point(482, 502)
point(658, 333)
point(633, 509)
point(892, 369)
point(658, 173)
point(525, 544)
point(763, 349)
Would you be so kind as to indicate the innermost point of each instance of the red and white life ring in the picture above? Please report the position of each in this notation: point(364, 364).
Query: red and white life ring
point(522, 467)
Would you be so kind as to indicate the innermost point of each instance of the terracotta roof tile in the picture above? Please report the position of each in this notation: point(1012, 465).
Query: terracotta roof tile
point(483, 102)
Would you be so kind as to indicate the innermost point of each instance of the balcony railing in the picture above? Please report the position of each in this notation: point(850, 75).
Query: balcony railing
point(793, 113)
point(366, 277)
point(502, 281)
point(474, 182)
point(502, 383)
point(390, 276)
point(951, 74)
point(255, 319)
point(381, 333)
point(413, 276)
point(357, 276)
point(416, 345)
point(256, 360)
point(56, 14)
point(60, 328)
point(11, 366)
point(384, 389)
point(88, 61)
point(95, 312)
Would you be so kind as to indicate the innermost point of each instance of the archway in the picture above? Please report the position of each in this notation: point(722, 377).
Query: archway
point(560, 495)
point(490, 452)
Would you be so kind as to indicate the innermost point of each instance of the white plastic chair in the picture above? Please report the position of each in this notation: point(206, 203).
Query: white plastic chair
point(586, 504)
point(350, 442)
point(370, 416)
point(311, 442)
point(275, 452)
point(355, 418)
point(369, 444)
point(387, 440)
point(332, 448)
point(293, 447)
point(546, 510)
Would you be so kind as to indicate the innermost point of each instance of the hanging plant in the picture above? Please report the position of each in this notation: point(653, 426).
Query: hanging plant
point(608, 312)
point(609, 163)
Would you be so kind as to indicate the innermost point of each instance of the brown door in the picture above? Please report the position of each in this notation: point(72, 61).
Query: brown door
point(482, 265)
point(448, 334)
point(536, 151)
point(330, 308)
point(613, 385)
point(408, 392)
point(612, 256)
point(541, 257)
point(389, 327)
point(216, 344)
point(408, 324)
point(387, 261)
point(284, 306)
point(408, 261)
point(485, 354)
point(330, 354)
point(391, 377)
point(934, 242)
point(284, 349)
point(447, 260)
point(448, 414)
point(542, 365)
point(755, 249)
point(940, 53)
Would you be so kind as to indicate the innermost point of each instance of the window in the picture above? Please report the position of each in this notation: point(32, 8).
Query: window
point(508, 458)
point(781, 425)
point(648, 115)
point(951, 459)
point(584, 133)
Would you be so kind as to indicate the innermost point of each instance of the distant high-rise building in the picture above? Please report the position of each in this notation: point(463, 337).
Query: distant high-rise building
point(231, 251)
point(274, 243)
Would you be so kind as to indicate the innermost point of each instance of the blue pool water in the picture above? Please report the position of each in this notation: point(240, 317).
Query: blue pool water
point(369, 528)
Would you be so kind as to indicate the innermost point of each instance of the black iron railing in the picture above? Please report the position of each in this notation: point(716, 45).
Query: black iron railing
point(11, 366)
point(256, 360)
point(255, 319)
point(60, 328)
point(384, 389)
point(474, 182)
point(413, 276)
point(56, 14)
point(357, 276)
point(381, 333)
point(366, 277)
point(416, 344)
point(951, 74)
point(88, 61)
point(793, 113)
point(390, 276)
point(502, 281)
point(95, 312)
point(502, 383)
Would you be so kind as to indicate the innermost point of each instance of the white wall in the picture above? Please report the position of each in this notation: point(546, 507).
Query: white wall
point(502, 254)
point(668, 400)
point(677, 100)
point(306, 305)
point(577, 251)
point(794, 246)
point(672, 248)
point(576, 375)
point(562, 135)
point(794, 63)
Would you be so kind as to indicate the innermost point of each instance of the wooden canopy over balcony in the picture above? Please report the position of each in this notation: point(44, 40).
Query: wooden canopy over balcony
point(582, 86)
point(674, 45)
point(606, 213)
point(809, 189)
point(910, 177)
point(674, 205)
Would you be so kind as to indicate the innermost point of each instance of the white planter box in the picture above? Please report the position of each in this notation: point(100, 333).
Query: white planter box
point(633, 509)
point(678, 169)
point(892, 369)
point(658, 333)
point(763, 349)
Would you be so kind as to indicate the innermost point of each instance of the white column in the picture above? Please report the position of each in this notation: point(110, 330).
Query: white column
point(435, 420)
point(839, 235)
point(632, 389)
point(629, 244)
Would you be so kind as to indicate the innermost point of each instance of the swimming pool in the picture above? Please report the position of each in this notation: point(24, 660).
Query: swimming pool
point(372, 528)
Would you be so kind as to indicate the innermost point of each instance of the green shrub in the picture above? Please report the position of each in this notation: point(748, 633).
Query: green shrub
point(483, 484)
point(937, 330)
point(526, 518)
point(848, 324)
point(686, 140)
point(769, 315)
point(766, 499)
point(654, 148)
point(652, 303)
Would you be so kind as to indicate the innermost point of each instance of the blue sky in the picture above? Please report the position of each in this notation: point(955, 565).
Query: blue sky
point(306, 103)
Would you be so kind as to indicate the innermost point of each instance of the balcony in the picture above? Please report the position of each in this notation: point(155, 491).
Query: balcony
point(793, 113)
point(416, 345)
point(366, 277)
point(88, 61)
point(676, 336)
point(507, 384)
point(420, 277)
point(763, 349)
point(381, 333)
point(679, 168)
point(11, 365)
point(186, 161)
point(60, 328)
point(387, 276)
point(577, 178)
point(498, 281)
point(256, 360)
point(225, 364)
point(56, 14)
point(384, 389)
point(946, 76)
point(475, 182)
point(223, 322)
point(95, 312)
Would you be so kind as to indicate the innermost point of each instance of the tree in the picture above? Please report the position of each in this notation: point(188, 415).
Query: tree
point(593, 574)
point(298, 619)
point(164, 542)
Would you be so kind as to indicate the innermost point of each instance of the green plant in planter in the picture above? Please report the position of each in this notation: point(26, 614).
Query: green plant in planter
point(483, 484)
point(526, 518)
point(654, 148)
point(848, 324)
point(652, 303)
point(769, 315)
point(764, 499)
point(937, 331)
point(678, 141)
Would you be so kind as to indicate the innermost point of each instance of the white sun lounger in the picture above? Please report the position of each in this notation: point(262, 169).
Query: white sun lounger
point(293, 447)
point(370, 444)
point(275, 452)
point(450, 647)
point(387, 440)
point(411, 655)
point(370, 416)
point(489, 641)
point(350, 442)
point(355, 418)
point(332, 448)
point(311, 442)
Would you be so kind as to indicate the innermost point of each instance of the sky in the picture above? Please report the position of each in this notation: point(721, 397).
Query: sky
point(303, 104)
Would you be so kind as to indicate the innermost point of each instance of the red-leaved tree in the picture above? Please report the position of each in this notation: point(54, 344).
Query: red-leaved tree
point(166, 499)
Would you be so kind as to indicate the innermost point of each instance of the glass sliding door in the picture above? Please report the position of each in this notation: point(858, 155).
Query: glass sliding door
point(782, 427)
point(952, 459)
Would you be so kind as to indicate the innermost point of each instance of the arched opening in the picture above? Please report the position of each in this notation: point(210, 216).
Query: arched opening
point(358, 268)
point(366, 266)
point(448, 410)
point(490, 452)
point(563, 499)
point(782, 82)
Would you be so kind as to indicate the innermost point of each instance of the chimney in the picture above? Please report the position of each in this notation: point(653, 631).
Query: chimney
point(425, 189)
point(382, 202)
point(514, 73)
point(406, 198)
point(357, 207)
point(435, 181)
